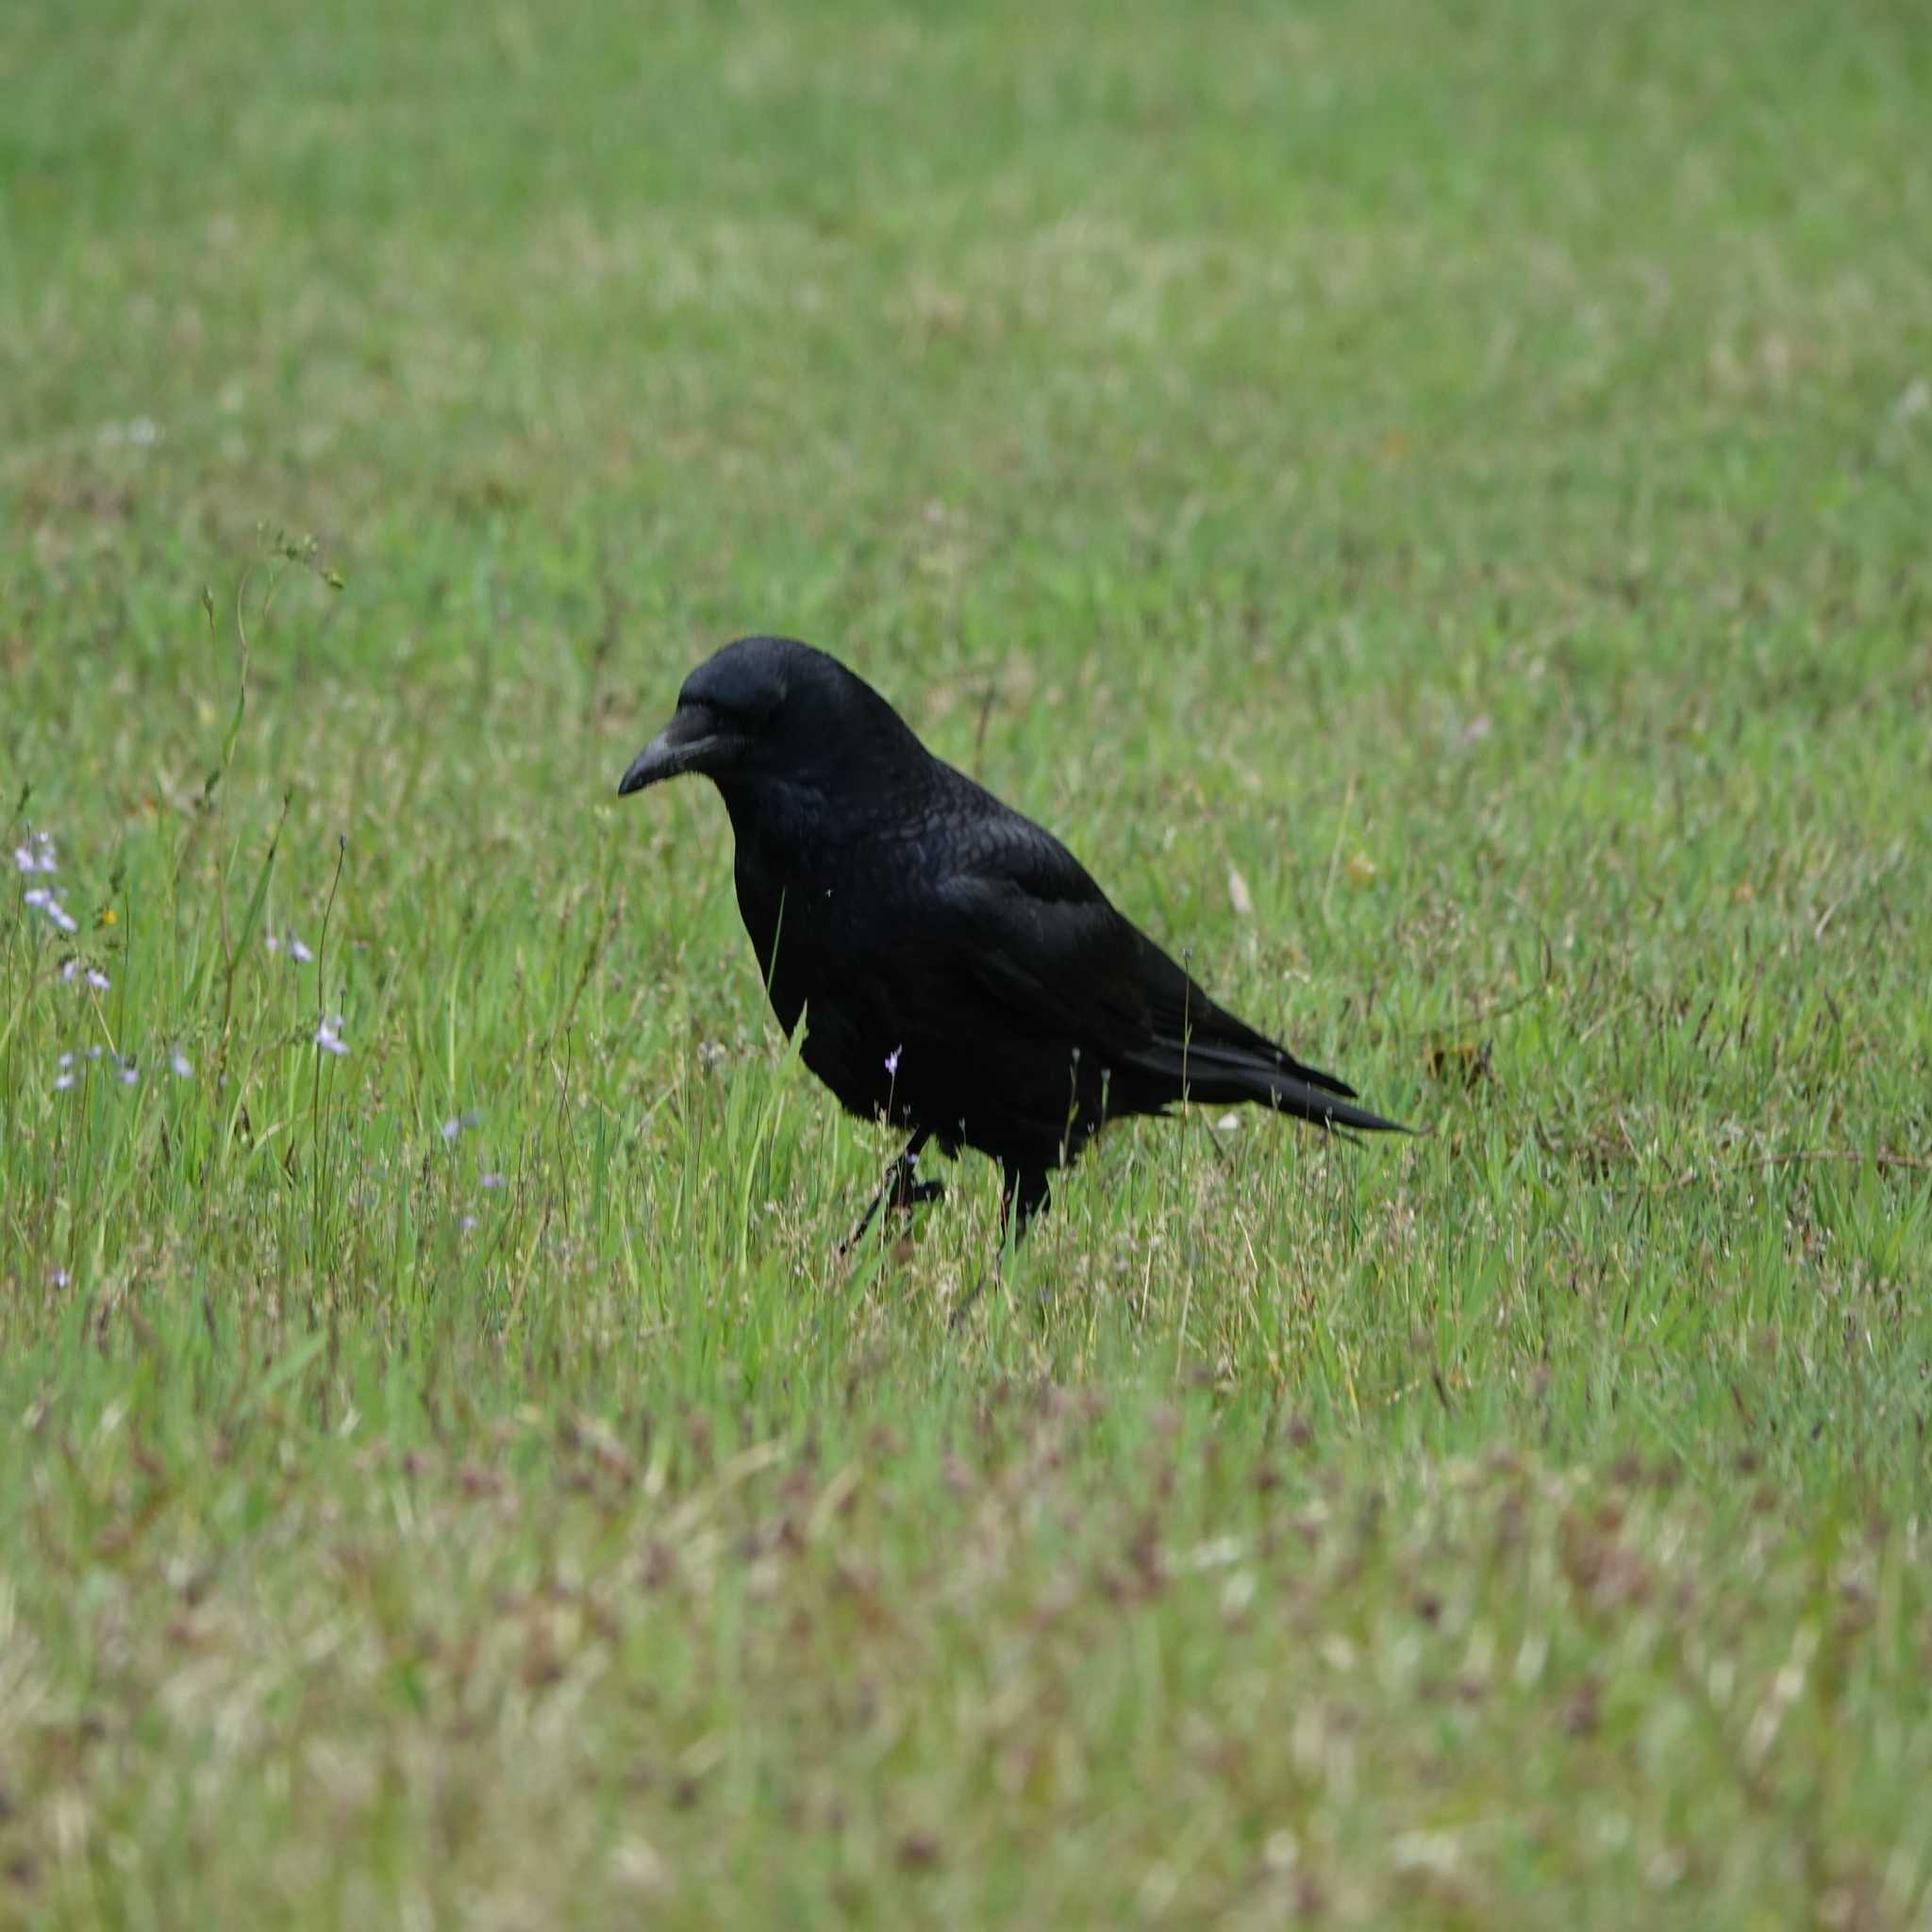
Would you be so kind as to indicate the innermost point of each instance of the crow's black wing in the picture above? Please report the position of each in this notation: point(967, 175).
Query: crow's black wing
point(1033, 930)
point(1038, 938)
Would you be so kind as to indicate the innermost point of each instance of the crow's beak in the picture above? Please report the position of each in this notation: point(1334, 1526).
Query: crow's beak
point(694, 741)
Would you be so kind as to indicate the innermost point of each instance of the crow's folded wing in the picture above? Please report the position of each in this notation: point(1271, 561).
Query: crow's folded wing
point(1025, 923)
point(1037, 938)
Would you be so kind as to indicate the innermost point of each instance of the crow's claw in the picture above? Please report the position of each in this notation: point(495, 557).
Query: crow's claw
point(901, 1190)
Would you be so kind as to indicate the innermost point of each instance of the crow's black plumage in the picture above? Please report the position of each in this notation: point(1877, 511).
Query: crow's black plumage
point(958, 970)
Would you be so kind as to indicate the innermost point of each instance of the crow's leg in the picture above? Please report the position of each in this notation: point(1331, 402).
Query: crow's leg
point(963, 1307)
point(901, 1189)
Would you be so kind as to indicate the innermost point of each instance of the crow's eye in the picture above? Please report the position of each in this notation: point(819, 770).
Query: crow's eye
point(740, 714)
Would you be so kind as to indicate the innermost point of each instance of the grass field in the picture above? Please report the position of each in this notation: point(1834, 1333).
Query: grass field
point(1432, 502)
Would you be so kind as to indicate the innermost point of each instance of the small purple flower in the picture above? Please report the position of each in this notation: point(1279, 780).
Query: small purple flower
point(45, 899)
point(130, 1073)
point(60, 1277)
point(457, 1124)
point(467, 1223)
point(183, 1067)
point(491, 1181)
point(328, 1035)
point(37, 854)
point(298, 952)
point(892, 1062)
point(97, 979)
point(62, 1082)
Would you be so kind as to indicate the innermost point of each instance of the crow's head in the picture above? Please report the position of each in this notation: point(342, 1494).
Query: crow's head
point(763, 706)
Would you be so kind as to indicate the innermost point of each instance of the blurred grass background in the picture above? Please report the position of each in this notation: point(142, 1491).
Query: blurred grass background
point(1452, 481)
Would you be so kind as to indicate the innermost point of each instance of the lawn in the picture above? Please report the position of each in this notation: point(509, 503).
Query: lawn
point(1433, 503)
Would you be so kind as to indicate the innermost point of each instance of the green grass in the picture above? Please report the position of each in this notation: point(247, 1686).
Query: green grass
point(1464, 472)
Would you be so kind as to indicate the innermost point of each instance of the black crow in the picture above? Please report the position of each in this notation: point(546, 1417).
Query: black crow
point(958, 970)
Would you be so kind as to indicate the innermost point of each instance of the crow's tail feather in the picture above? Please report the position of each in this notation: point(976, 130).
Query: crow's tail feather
point(1216, 1075)
point(1287, 1095)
